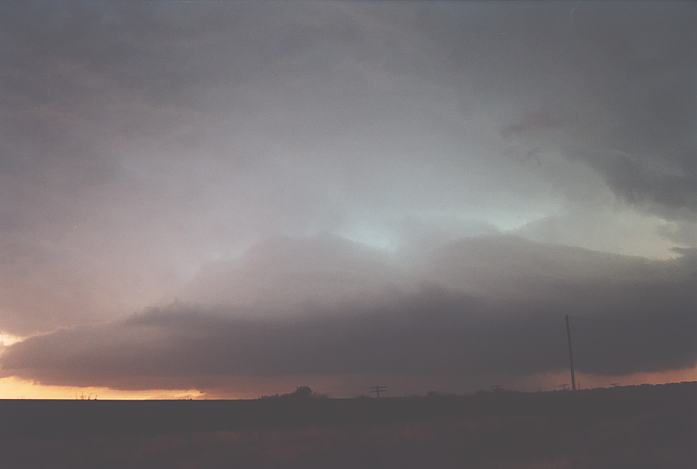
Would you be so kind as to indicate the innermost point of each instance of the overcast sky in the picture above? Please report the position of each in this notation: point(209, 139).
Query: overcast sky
point(238, 197)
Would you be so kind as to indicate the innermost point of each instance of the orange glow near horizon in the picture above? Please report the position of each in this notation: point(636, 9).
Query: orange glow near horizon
point(15, 388)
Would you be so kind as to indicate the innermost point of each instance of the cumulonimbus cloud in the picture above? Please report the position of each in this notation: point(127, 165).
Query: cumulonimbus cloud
point(137, 142)
point(453, 321)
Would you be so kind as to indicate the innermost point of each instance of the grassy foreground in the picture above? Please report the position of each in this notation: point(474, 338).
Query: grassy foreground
point(631, 427)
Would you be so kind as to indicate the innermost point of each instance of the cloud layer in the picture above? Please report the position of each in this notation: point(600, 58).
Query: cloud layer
point(222, 154)
point(629, 315)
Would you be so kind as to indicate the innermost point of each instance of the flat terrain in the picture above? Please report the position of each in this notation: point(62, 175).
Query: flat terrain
point(632, 427)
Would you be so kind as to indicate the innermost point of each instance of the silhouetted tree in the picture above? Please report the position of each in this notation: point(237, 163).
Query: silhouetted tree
point(302, 392)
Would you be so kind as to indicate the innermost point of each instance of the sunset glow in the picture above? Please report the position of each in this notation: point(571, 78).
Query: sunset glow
point(13, 388)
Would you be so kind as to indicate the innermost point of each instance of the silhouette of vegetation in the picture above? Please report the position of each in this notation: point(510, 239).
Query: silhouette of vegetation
point(619, 427)
point(301, 392)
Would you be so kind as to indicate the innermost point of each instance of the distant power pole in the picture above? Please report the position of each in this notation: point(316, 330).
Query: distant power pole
point(378, 390)
point(571, 354)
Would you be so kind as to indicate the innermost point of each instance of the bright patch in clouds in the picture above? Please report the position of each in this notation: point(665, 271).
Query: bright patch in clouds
point(8, 339)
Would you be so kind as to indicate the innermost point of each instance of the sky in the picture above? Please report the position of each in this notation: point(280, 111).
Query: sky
point(229, 199)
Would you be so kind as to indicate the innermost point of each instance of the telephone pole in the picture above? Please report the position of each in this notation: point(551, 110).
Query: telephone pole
point(378, 390)
point(571, 354)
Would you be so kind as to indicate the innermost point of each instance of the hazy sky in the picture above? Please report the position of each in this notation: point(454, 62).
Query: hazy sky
point(238, 197)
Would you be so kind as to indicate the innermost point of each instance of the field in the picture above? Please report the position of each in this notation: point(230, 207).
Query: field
point(630, 427)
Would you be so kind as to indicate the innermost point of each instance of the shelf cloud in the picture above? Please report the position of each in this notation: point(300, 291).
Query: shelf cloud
point(630, 315)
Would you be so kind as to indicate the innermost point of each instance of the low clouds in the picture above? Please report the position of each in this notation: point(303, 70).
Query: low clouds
point(479, 307)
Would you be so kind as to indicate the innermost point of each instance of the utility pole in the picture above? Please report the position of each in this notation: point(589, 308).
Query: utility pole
point(571, 354)
point(378, 390)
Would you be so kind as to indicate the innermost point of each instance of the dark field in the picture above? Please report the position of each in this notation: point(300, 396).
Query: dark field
point(637, 427)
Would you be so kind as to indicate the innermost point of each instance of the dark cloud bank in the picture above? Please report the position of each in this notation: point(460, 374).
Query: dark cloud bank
point(629, 315)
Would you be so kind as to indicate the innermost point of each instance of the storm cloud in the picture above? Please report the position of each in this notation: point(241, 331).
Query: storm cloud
point(272, 175)
point(630, 315)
